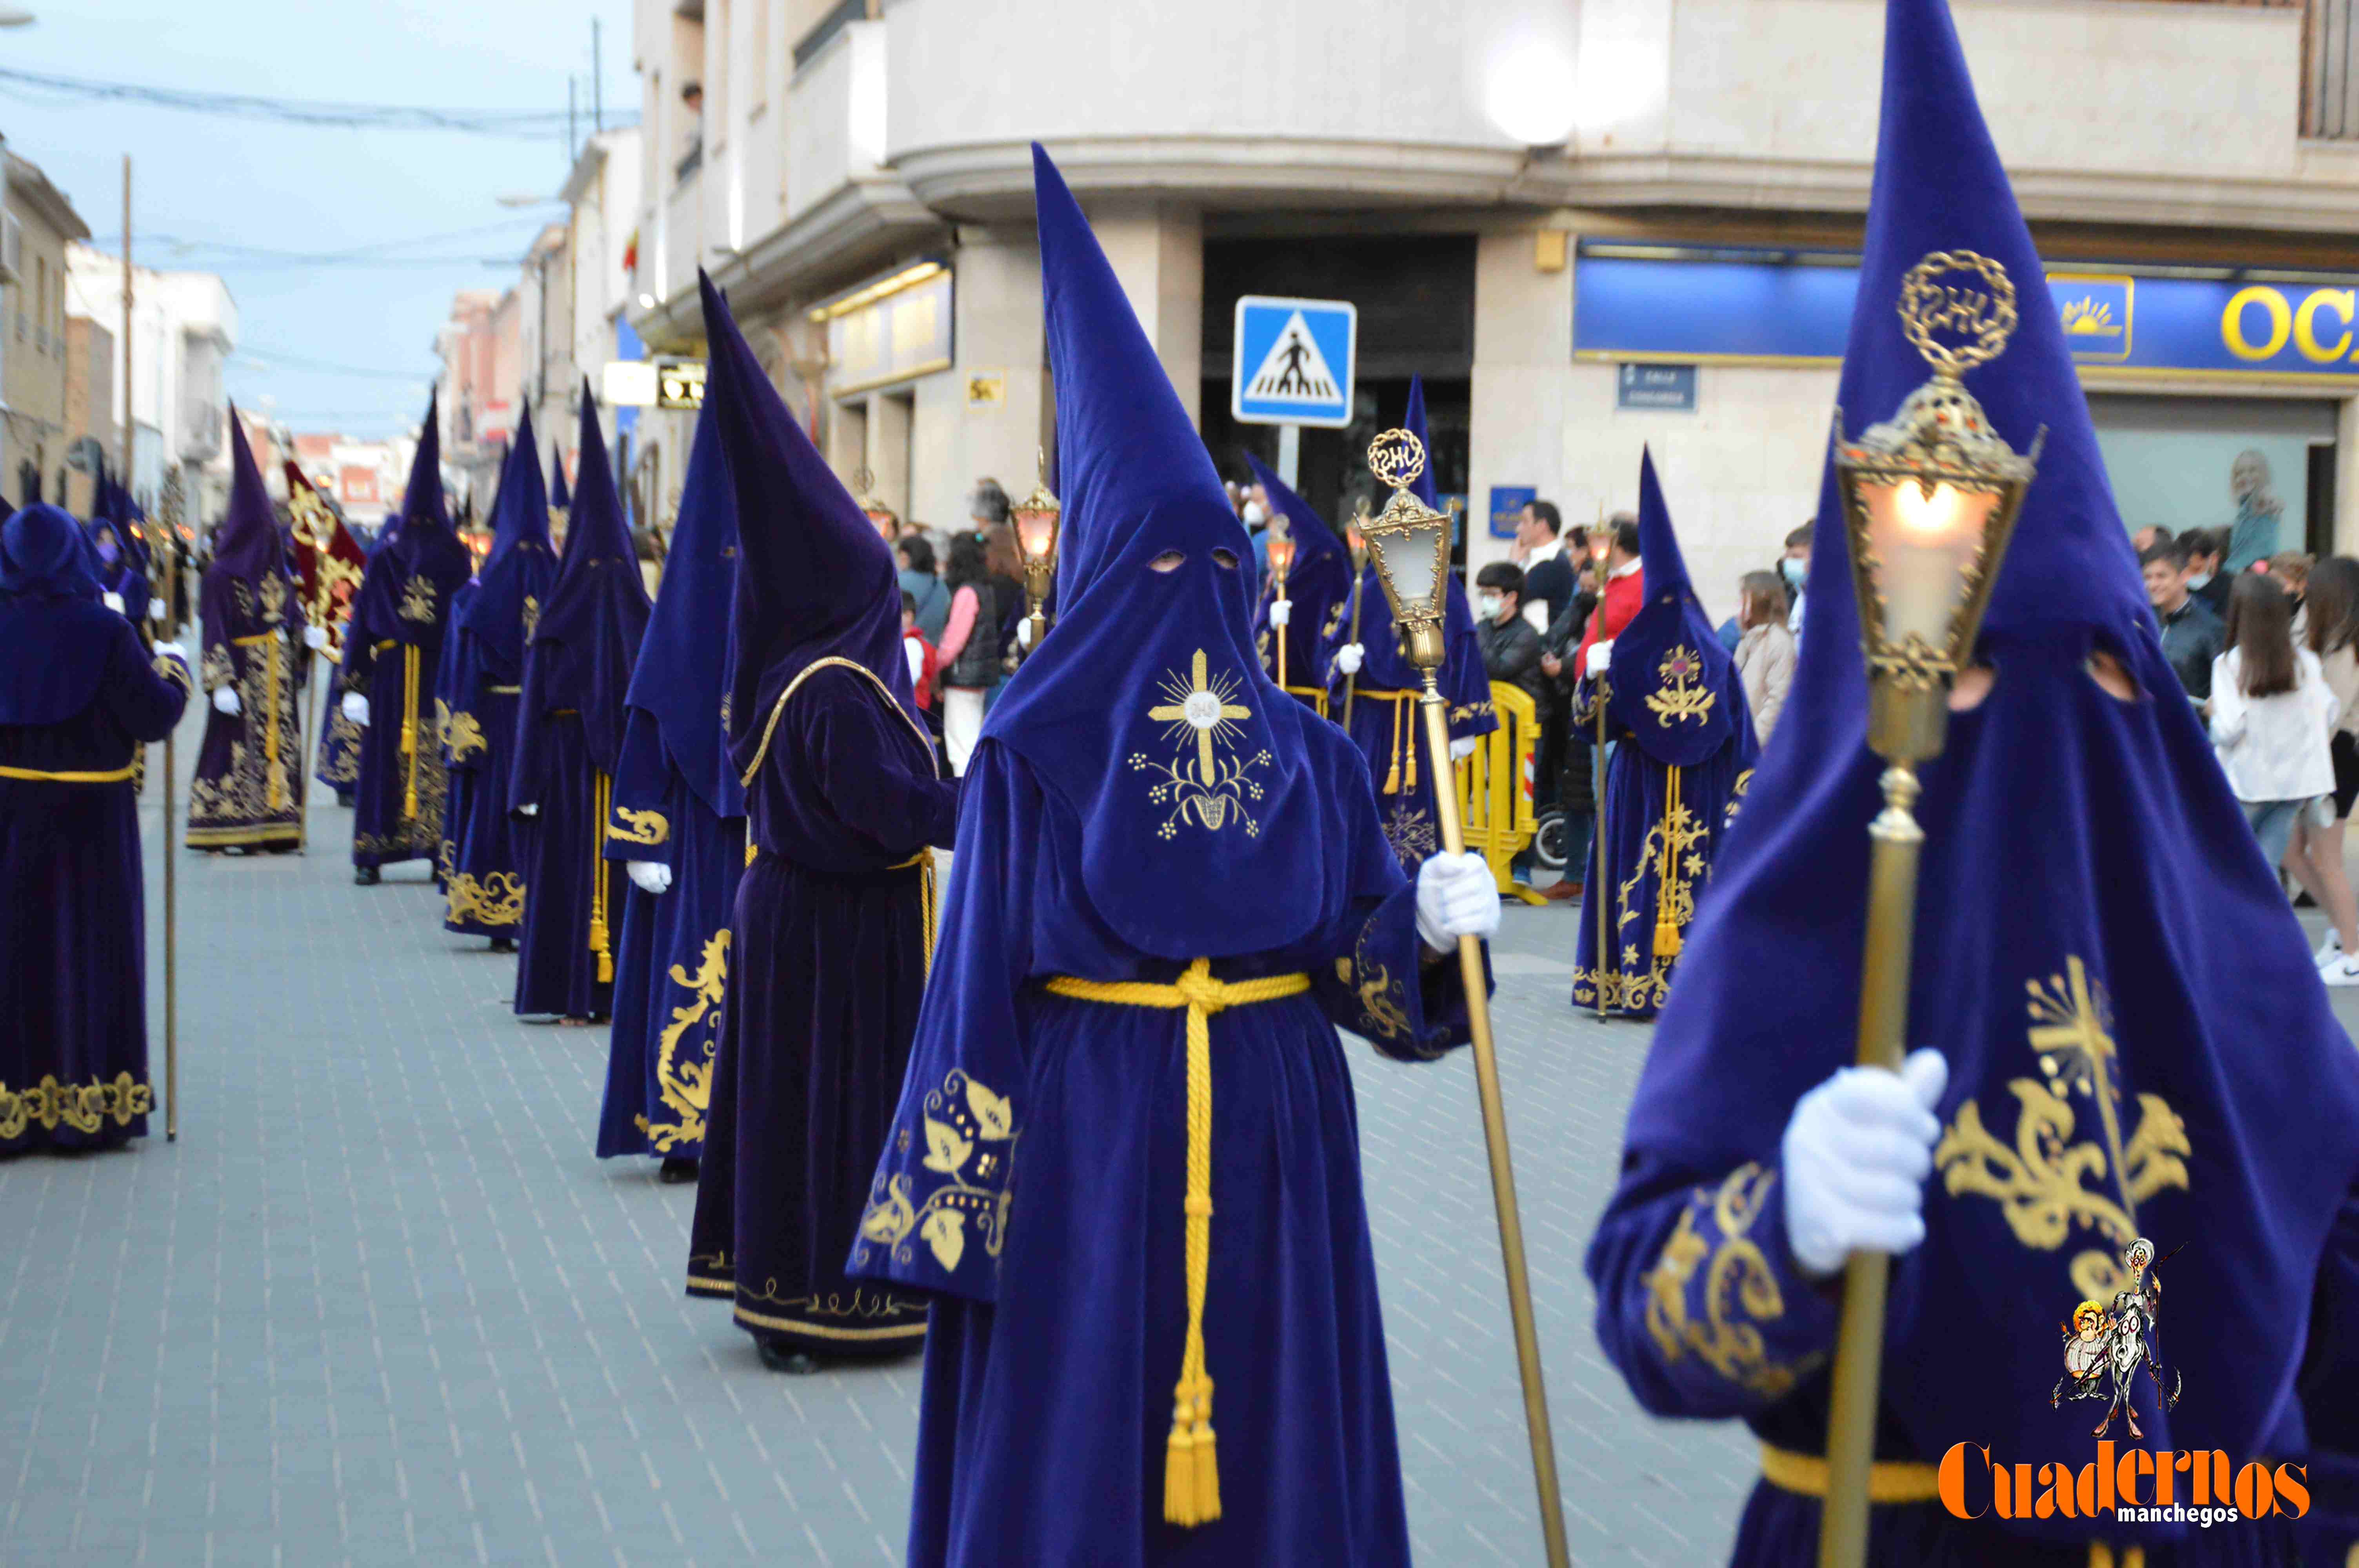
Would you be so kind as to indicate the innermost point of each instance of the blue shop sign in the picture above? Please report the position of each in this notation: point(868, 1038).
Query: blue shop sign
point(1777, 312)
point(1507, 504)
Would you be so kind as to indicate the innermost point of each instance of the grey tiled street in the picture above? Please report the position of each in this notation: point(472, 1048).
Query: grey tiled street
point(381, 1305)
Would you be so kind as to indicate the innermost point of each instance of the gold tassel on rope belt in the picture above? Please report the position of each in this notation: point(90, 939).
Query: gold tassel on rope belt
point(925, 858)
point(1399, 778)
point(1192, 1472)
point(409, 659)
point(1667, 931)
point(602, 795)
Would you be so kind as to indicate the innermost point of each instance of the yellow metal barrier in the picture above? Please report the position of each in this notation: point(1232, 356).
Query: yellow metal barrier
point(1494, 789)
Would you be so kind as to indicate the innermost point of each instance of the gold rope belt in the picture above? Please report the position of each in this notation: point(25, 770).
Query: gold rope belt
point(602, 802)
point(1396, 780)
point(1899, 1481)
point(409, 662)
point(1315, 696)
point(1191, 1476)
point(926, 893)
point(116, 776)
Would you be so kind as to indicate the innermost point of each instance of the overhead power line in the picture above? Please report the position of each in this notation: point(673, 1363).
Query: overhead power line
point(526, 123)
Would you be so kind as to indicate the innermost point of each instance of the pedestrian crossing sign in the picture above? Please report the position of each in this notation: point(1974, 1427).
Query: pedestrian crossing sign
point(1294, 361)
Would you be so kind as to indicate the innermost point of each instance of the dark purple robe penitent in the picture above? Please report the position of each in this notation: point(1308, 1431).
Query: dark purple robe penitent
point(78, 697)
point(569, 738)
point(830, 931)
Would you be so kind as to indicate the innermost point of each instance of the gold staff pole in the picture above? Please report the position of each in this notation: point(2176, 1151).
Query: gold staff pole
point(1930, 500)
point(1359, 541)
point(1411, 545)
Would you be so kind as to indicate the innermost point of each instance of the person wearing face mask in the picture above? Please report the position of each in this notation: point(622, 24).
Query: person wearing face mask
point(1794, 571)
point(830, 934)
point(1172, 887)
point(1511, 648)
point(2206, 579)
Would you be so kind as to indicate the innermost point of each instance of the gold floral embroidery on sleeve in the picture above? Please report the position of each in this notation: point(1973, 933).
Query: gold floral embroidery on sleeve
point(639, 826)
point(219, 671)
point(173, 670)
point(963, 1120)
point(1740, 1289)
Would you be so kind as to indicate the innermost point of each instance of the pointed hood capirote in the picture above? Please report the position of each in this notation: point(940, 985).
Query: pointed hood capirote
point(560, 496)
point(2099, 946)
point(248, 546)
point(683, 661)
point(814, 578)
point(517, 573)
point(1670, 684)
point(597, 609)
point(1145, 713)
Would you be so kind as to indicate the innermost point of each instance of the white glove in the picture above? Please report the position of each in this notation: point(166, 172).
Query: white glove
point(315, 636)
point(225, 700)
point(1456, 897)
point(1464, 747)
point(1347, 658)
point(1024, 632)
point(528, 811)
point(650, 876)
point(113, 602)
point(1856, 1153)
point(356, 708)
point(156, 608)
point(1601, 654)
point(1280, 611)
point(172, 651)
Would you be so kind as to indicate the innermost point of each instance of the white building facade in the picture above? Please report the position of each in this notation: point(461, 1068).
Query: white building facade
point(1589, 226)
point(184, 328)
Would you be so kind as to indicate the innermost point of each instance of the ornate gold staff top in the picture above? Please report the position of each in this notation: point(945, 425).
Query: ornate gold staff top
point(1410, 543)
point(1930, 500)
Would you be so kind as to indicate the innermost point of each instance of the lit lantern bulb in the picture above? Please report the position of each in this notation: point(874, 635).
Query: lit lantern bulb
point(1931, 518)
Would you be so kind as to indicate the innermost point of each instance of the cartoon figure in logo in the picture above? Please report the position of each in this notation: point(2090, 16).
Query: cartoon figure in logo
point(2117, 1342)
point(2085, 1350)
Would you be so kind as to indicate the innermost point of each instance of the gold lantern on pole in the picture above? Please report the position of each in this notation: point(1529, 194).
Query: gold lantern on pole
point(1411, 544)
point(1037, 518)
point(1281, 560)
point(1929, 502)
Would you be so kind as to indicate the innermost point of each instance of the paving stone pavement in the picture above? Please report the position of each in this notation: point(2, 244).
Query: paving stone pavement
point(381, 1305)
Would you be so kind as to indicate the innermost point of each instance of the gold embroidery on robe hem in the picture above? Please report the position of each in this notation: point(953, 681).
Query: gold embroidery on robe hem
point(639, 826)
point(960, 1118)
point(1197, 714)
point(1633, 992)
point(497, 899)
point(82, 1107)
point(687, 1086)
point(1740, 1290)
point(342, 766)
point(808, 1329)
point(2038, 1184)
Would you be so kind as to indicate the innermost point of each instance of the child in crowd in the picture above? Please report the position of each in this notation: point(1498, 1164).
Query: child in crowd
point(925, 662)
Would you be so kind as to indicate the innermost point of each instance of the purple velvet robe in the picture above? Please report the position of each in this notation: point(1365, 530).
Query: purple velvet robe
point(73, 1022)
point(248, 788)
point(1059, 1310)
point(830, 938)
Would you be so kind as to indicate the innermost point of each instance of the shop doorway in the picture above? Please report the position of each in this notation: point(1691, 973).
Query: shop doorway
point(2209, 462)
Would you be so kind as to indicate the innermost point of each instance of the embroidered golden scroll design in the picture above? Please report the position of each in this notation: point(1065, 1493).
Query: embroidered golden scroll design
point(1740, 1289)
point(496, 900)
point(639, 826)
point(84, 1107)
point(686, 1085)
point(1680, 699)
point(962, 1118)
point(2046, 1186)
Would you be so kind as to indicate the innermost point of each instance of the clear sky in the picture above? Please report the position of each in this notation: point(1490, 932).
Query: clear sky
point(201, 179)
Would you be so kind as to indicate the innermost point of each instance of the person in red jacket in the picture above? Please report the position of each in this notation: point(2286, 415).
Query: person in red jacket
point(1625, 589)
point(925, 660)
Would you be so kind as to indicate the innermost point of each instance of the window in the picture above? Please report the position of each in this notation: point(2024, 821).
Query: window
point(41, 303)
